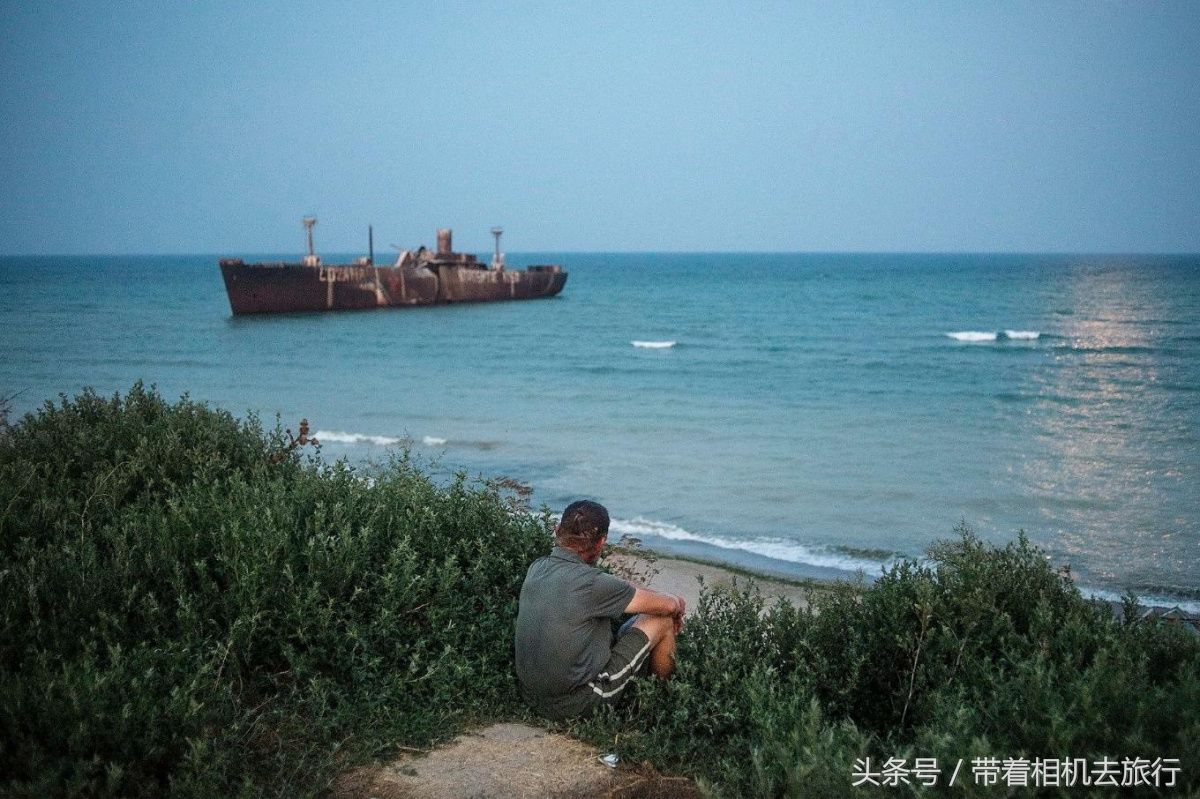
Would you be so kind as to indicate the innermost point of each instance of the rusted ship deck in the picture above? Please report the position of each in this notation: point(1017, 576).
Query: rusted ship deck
point(420, 277)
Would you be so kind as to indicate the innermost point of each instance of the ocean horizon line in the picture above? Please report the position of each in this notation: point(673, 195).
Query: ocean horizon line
point(520, 253)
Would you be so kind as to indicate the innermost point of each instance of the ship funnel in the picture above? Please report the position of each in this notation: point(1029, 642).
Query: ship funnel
point(444, 245)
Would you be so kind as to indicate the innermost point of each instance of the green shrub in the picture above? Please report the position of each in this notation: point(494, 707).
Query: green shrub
point(190, 608)
point(976, 652)
point(186, 611)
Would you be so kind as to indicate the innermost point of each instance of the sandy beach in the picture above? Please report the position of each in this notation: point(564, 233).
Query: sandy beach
point(683, 577)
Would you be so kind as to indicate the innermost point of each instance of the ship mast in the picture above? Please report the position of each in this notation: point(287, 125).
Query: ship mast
point(497, 256)
point(311, 259)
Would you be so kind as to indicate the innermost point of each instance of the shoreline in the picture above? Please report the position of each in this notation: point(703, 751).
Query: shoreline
point(673, 573)
point(682, 575)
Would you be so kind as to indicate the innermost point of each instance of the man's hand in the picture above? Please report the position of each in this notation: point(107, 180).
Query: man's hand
point(654, 603)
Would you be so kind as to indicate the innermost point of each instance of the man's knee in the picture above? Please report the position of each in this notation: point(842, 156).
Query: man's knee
point(656, 628)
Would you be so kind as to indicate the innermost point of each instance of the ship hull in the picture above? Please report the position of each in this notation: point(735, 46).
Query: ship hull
point(290, 287)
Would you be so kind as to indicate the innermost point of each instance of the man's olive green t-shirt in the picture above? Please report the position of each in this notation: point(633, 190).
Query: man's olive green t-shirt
point(564, 624)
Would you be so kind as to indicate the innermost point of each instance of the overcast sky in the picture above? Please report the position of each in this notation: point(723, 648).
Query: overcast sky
point(206, 127)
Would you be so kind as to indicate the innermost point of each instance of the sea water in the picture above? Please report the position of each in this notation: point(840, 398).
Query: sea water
point(806, 414)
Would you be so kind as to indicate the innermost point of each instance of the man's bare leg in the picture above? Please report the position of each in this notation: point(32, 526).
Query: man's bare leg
point(661, 632)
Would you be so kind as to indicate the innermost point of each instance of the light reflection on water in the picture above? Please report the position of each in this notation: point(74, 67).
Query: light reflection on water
point(1112, 447)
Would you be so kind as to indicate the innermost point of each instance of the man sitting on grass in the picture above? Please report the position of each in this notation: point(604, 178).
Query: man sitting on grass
point(568, 660)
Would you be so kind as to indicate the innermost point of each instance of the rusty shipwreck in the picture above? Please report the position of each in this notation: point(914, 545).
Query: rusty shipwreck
point(418, 277)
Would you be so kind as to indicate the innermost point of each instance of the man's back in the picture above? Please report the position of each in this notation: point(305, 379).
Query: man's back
point(564, 630)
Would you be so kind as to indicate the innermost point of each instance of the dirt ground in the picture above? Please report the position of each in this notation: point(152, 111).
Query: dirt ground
point(518, 761)
point(508, 761)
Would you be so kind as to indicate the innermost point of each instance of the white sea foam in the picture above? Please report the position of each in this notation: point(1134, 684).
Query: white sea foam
point(983, 335)
point(775, 548)
point(1146, 600)
point(653, 345)
point(339, 437)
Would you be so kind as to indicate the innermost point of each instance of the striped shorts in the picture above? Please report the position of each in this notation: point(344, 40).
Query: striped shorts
point(629, 658)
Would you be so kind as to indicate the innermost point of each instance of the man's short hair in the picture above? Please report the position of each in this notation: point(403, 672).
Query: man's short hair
point(583, 523)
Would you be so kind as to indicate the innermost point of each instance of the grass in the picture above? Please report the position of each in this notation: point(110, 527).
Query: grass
point(189, 607)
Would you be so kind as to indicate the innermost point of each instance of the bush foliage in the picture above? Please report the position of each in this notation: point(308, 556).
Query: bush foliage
point(976, 652)
point(191, 609)
point(184, 612)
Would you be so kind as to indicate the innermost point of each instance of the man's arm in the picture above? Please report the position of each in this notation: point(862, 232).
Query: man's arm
point(654, 603)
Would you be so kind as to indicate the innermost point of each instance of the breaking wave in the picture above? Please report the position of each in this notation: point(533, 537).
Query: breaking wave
point(1144, 600)
point(774, 548)
point(973, 335)
point(997, 335)
point(653, 345)
point(339, 437)
point(850, 559)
